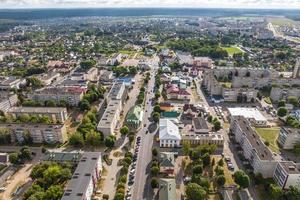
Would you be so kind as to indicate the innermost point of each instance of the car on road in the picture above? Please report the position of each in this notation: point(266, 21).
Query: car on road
point(227, 159)
point(145, 125)
point(147, 132)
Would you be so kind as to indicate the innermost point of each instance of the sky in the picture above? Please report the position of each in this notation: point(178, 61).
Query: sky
point(274, 4)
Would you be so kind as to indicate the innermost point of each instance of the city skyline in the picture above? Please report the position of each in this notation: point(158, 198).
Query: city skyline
point(253, 4)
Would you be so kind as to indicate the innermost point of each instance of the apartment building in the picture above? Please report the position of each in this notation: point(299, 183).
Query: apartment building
point(115, 100)
point(200, 139)
point(72, 95)
point(253, 115)
point(7, 101)
point(56, 114)
point(203, 62)
point(89, 75)
point(39, 133)
point(84, 180)
point(278, 93)
point(254, 149)
point(7, 83)
point(48, 78)
point(167, 189)
point(288, 137)
point(287, 173)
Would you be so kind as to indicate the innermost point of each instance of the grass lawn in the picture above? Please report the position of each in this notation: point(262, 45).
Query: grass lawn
point(226, 84)
point(267, 100)
point(227, 173)
point(270, 135)
point(232, 50)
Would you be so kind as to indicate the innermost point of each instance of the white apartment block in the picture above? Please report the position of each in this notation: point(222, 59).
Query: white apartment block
point(40, 133)
point(288, 137)
point(287, 173)
point(85, 178)
point(253, 115)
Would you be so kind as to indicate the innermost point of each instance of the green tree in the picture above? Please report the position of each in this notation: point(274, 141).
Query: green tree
point(297, 148)
point(55, 192)
point(93, 138)
point(217, 125)
point(25, 153)
point(197, 169)
point(50, 103)
point(124, 130)
point(293, 100)
point(14, 158)
point(76, 139)
point(84, 105)
point(87, 64)
point(32, 190)
point(154, 171)
point(154, 183)
point(195, 192)
point(5, 136)
point(109, 141)
point(221, 180)
point(206, 159)
point(241, 179)
point(221, 162)
point(281, 103)
point(282, 112)
point(119, 196)
point(154, 152)
point(292, 193)
point(156, 108)
point(186, 146)
point(275, 192)
point(156, 117)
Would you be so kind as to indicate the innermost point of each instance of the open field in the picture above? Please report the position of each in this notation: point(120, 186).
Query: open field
point(232, 50)
point(270, 135)
point(280, 21)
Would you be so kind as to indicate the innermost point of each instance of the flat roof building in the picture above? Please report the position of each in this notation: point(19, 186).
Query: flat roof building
point(84, 179)
point(251, 114)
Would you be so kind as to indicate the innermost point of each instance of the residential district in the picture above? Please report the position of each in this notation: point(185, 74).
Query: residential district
point(163, 108)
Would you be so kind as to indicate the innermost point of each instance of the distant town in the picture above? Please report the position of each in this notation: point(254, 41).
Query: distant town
point(150, 108)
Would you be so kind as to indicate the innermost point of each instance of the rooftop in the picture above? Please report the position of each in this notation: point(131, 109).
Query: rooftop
point(82, 176)
point(200, 123)
point(248, 113)
point(37, 110)
point(257, 144)
point(290, 167)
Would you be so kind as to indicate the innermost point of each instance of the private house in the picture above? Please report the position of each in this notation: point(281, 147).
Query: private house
point(167, 189)
point(288, 137)
point(167, 163)
point(169, 135)
point(85, 178)
point(203, 62)
point(175, 93)
point(166, 106)
point(134, 117)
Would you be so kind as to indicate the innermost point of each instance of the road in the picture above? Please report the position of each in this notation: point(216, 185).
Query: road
point(141, 188)
point(228, 148)
point(282, 35)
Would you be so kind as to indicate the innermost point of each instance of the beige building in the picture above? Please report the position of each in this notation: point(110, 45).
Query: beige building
point(56, 114)
point(201, 139)
point(40, 133)
point(72, 95)
point(287, 173)
point(7, 101)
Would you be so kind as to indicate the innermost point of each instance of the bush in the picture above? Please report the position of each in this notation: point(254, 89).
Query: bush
point(154, 183)
point(105, 197)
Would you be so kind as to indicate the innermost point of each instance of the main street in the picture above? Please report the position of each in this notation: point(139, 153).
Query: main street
point(141, 188)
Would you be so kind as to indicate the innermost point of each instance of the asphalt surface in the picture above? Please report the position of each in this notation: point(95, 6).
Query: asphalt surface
point(141, 189)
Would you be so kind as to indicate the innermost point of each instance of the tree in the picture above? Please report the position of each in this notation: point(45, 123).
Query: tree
point(54, 192)
point(93, 138)
point(14, 158)
point(110, 141)
point(124, 130)
point(282, 112)
point(157, 95)
point(197, 169)
point(32, 190)
point(186, 146)
point(281, 103)
point(206, 159)
point(297, 148)
point(50, 103)
point(119, 196)
point(154, 171)
point(156, 117)
point(217, 125)
point(5, 136)
point(221, 162)
point(293, 100)
point(154, 152)
point(76, 139)
point(209, 118)
point(156, 108)
point(213, 162)
point(154, 183)
point(292, 193)
point(221, 180)
point(25, 153)
point(275, 192)
point(195, 192)
point(241, 179)
point(84, 105)
point(87, 64)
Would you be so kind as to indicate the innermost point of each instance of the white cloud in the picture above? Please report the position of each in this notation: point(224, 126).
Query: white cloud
point(152, 3)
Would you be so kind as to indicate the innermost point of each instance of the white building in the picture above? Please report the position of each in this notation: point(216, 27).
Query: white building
point(287, 173)
point(169, 135)
point(251, 114)
point(288, 137)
